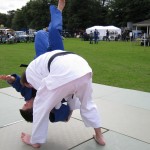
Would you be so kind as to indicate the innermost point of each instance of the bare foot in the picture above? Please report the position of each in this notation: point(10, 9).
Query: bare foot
point(99, 140)
point(61, 5)
point(26, 139)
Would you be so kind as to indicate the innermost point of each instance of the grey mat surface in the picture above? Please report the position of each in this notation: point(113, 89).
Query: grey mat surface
point(100, 90)
point(125, 119)
point(9, 109)
point(124, 112)
point(11, 92)
point(115, 141)
point(130, 97)
point(61, 136)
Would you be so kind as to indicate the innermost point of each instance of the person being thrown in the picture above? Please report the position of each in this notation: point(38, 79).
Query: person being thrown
point(45, 41)
point(68, 79)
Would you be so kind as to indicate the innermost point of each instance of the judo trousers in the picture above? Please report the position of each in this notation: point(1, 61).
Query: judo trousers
point(51, 40)
point(82, 88)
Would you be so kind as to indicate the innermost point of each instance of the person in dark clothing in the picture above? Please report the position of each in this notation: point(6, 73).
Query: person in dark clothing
point(96, 36)
point(91, 37)
point(107, 35)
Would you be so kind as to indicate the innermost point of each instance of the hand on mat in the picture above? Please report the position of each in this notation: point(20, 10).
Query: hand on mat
point(26, 139)
point(10, 79)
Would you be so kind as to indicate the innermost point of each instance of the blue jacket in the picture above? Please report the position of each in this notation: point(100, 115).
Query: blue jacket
point(27, 93)
point(44, 42)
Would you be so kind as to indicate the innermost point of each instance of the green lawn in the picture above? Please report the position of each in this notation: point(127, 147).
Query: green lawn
point(120, 64)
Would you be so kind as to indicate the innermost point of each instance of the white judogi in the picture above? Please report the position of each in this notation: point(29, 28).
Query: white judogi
point(69, 74)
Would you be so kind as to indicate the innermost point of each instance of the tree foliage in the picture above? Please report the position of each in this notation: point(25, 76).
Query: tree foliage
point(82, 14)
point(3, 18)
point(122, 11)
point(78, 14)
point(34, 15)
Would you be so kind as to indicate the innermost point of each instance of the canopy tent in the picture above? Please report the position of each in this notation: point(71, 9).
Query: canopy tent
point(114, 31)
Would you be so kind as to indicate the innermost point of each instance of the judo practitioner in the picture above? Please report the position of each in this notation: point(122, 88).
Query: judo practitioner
point(44, 41)
point(14, 81)
point(66, 74)
point(61, 112)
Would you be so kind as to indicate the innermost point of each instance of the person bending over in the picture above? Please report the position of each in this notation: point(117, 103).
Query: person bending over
point(56, 80)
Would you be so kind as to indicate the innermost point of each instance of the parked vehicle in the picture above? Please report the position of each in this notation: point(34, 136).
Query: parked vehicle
point(21, 36)
point(66, 34)
point(7, 31)
point(7, 36)
point(137, 34)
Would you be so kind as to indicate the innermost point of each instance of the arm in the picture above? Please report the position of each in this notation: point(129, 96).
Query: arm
point(14, 81)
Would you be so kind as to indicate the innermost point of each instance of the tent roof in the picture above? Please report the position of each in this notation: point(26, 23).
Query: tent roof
point(142, 23)
point(104, 27)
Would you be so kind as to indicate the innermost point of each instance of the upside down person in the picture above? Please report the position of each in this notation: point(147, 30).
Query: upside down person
point(44, 41)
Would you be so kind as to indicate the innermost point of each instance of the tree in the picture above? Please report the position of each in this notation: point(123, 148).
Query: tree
point(3, 18)
point(82, 14)
point(37, 14)
point(10, 17)
point(79, 14)
point(18, 22)
point(122, 11)
point(34, 15)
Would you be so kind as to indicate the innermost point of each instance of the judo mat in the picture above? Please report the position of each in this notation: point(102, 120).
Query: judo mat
point(125, 121)
point(9, 109)
point(100, 91)
point(10, 92)
point(115, 141)
point(130, 97)
point(124, 111)
point(61, 136)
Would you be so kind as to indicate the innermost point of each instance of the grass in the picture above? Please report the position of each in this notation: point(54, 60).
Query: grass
point(119, 64)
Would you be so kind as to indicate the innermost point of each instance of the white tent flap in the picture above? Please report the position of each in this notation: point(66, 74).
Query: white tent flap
point(114, 31)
